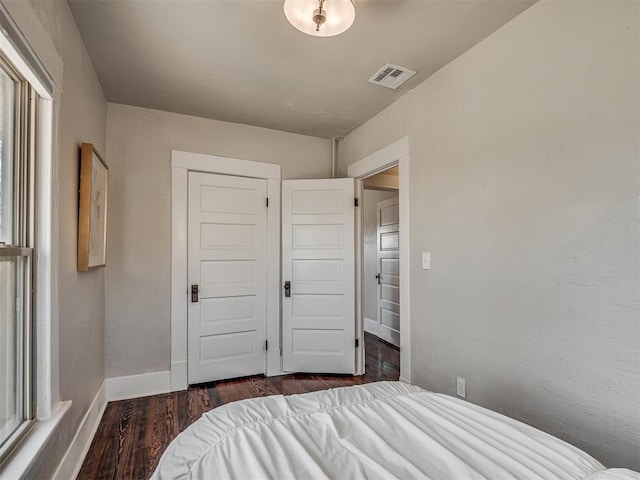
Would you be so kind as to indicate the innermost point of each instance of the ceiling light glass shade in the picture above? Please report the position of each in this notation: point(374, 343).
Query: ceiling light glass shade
point(339, 15)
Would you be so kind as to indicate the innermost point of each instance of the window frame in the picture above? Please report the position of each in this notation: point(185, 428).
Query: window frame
point(22, 247)
point(28, 46)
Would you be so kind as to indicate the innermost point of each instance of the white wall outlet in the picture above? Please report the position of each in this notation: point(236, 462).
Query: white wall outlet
point(461, 387)
point(426, 260)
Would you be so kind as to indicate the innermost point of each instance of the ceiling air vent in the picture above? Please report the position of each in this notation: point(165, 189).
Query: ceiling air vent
point(391, 76)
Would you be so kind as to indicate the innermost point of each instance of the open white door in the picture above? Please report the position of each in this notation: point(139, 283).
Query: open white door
point(227, 257)
point(318, 268)
point(389, 271)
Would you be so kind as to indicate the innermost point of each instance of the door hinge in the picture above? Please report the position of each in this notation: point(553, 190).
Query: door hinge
point(357, 342)
point(266, 345)
point(267, 202)
point(356, 202)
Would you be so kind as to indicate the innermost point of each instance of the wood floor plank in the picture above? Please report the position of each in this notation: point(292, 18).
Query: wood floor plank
point(182, 411)
point(127, 435)
point(133, 434)
point(164, 428)
point(104, 447)
point(214, 396)
point(197, 403)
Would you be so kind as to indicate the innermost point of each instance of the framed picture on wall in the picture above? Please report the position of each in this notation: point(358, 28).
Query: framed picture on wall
point(92, 217)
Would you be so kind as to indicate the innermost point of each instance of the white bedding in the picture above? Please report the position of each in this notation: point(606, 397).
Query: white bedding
point(379, 430)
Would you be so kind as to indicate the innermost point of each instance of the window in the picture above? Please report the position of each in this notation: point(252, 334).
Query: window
point(17, 142)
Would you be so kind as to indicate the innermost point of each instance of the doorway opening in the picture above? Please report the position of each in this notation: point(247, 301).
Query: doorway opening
point(381, 256)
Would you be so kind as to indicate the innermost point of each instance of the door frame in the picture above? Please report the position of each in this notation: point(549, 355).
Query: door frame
point(396, 153)
point(181, 164)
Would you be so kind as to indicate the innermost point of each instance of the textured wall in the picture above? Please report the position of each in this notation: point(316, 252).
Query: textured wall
point(524, 187)
point(138, 280)
point(82, 118)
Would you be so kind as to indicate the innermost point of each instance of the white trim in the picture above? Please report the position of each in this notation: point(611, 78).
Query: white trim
point(179, 375)
point(71, 463)
point(31, 28)
point(405, 272)
point(359, 276)
point(371, 326)
point(23, 67)
point(274, 360)
point(46, 265)
point(134, 386)
point(179, 278)
point(24, 457)
point(396, 153)
point(181, 164)
point(404, 380)
point(224, 165)
point(380, 160)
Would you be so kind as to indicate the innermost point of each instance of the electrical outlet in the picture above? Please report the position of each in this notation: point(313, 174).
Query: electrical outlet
point(461, 387)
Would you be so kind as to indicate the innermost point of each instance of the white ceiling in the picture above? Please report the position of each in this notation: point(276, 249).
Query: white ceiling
point(241, 61)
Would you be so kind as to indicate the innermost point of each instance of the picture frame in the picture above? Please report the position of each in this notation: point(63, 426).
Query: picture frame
point(92, 209)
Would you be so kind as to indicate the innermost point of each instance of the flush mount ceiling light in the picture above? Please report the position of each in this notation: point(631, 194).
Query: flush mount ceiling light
point(320, 18)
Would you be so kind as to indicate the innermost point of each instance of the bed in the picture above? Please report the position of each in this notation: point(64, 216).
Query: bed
point(379, 431)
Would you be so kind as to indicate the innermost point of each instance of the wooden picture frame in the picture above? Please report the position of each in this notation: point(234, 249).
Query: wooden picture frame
point(92, 215)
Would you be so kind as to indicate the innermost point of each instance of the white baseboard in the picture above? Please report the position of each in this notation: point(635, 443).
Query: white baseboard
point(118, 388)
point(133, 386)
point(179, 380)
point(74, 457)
point(371, 326)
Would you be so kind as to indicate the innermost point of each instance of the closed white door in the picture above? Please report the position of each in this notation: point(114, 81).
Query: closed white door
point(318, 247)
point(389, 271)
point(227, 250)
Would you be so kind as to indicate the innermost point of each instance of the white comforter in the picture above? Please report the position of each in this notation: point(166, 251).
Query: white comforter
point(381, 430)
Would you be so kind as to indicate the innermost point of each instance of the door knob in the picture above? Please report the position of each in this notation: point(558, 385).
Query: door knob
point(287, 288)
point(194, 293)
point(378, 277)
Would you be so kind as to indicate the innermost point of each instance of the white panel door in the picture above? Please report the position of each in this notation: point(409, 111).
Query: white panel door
point(318, 247)
point(228, 262)
point(389, 271)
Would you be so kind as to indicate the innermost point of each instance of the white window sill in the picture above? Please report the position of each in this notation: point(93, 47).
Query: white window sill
point(25, 454)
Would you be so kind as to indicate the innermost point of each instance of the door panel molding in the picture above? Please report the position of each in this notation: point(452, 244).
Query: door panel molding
point(227, 268)
point(388, 262)
point(181, 163)
point(318, 253)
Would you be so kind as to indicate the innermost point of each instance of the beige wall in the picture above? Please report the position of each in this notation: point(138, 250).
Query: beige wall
point(524, 187)
point(138, 279)
point(81, 118)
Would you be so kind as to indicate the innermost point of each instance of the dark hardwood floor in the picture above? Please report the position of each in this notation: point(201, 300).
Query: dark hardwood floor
point(134, 433)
